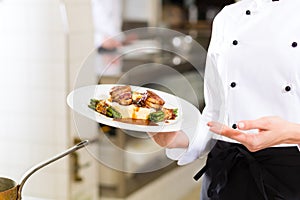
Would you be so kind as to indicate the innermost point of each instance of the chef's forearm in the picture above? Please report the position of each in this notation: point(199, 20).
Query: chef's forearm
point(293, 135)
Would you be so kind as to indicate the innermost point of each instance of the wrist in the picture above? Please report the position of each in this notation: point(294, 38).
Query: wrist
point(182, 140)
point(294, 133)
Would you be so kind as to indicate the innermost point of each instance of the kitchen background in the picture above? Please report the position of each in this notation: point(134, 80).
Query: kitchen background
point(43, 44)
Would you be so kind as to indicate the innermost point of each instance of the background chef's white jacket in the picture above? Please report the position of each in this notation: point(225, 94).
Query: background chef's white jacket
point(252, 70)
point(107, 19)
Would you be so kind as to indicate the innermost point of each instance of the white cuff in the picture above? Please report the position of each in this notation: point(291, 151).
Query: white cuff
point(199, 144)
point(98, 40)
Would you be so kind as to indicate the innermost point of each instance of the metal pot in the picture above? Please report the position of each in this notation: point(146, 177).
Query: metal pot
point(10, 190)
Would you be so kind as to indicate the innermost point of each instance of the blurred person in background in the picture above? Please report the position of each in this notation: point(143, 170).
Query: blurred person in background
point(107, 19)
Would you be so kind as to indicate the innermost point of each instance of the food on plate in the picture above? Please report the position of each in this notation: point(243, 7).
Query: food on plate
point(121, 95)
point(123, 103)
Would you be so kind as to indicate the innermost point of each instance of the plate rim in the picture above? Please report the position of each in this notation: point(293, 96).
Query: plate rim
point(176, 126)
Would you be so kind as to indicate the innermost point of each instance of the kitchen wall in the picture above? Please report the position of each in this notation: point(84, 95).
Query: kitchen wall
point(80, 43)
point(42, 46)
point(33, 85)
point(39, 58)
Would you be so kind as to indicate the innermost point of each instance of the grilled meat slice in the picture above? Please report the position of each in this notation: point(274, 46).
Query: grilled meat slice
point(153, 105)
point(124, 96)
point(116, 91)
point(153, 100)
point(124, 101)
point(121, 95)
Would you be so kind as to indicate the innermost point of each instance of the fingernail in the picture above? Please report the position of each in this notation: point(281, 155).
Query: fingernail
point(241, 125)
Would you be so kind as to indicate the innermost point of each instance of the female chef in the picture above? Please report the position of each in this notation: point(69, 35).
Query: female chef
point(254, 50)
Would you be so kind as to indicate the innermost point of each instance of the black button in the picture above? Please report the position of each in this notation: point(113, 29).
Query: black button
point(287, 88)
point(235, 42)
point(233, 84)
point(234, 126)
point(294, 44)
point(275, 0)
point(248, 12)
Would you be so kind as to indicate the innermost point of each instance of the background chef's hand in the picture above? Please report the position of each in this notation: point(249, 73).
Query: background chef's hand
point(130, 38)
point(176, 139)
point(111, 43)
point(271, 131)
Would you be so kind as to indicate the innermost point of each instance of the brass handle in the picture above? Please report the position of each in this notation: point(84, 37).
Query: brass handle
point(76, 166)
point(47, 162)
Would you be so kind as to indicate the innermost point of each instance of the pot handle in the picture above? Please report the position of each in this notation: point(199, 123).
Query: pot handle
point(45, 163)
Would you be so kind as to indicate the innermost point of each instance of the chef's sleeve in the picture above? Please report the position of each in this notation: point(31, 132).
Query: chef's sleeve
point(200, 142)
point(107, 20)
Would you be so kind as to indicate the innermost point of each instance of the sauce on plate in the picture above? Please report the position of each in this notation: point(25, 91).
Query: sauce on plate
point(144, 122)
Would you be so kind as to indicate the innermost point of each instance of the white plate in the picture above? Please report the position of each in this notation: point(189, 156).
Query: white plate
point(79, 100)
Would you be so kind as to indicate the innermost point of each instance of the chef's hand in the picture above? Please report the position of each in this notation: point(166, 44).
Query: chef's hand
point(176, 139)
point(271, 131)
point(130, 38)
point(111, 43)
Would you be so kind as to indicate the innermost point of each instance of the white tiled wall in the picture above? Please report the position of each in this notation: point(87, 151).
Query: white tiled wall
point(80, 45)
point(80, 16)
point(32, 47)
point(38, 67)
point(33, 82)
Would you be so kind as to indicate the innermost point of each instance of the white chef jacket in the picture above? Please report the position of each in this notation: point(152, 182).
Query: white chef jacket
point(254, 55)
point(107, 19)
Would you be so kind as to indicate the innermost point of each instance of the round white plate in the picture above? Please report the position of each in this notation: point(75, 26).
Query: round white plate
point(79, 100)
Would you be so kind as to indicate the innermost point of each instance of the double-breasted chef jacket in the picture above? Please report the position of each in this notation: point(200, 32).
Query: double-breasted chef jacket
point(252, 71)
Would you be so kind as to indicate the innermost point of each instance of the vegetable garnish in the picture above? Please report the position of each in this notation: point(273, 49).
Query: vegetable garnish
point(123, 103)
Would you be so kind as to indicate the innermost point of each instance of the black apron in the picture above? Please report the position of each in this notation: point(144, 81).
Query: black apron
point(232, 172)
